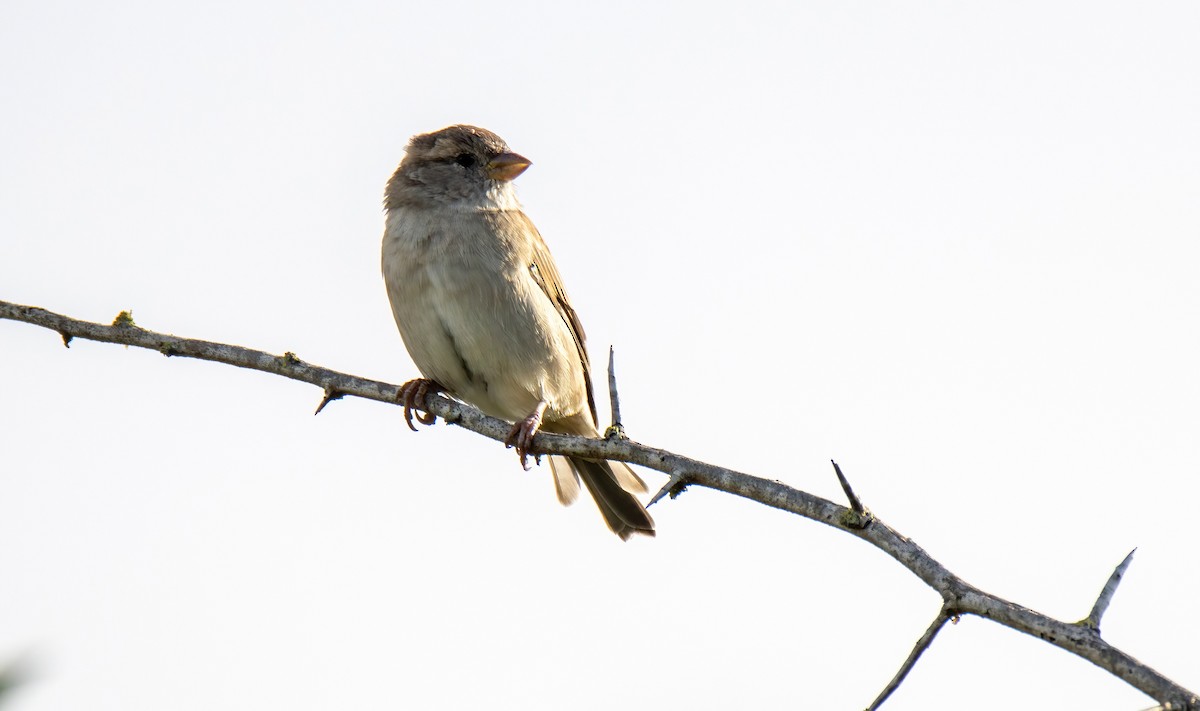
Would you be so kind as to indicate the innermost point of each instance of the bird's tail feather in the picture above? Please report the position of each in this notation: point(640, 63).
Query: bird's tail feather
point(609, 484)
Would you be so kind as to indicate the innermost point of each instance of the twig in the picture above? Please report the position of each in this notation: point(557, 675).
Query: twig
point(125, 332)
point(1106, 594)
point(922, 644)
point(956, 593)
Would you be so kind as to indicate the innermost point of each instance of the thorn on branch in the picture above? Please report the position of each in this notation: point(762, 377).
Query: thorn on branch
point(617, 429)
point(675, 486)
point(861, 517)
point(331, 394)
point(1110, 588)
point(919, 648)
point(66, 338)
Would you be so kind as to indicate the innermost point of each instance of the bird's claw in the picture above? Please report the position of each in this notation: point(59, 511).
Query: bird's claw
point(412, 395)
point(521, 437)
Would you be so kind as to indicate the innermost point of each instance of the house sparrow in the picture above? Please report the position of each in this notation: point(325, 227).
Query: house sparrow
point(483, 312)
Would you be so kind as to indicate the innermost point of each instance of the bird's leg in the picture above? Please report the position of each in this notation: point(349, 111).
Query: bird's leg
point(412, 396)
point(521, 435)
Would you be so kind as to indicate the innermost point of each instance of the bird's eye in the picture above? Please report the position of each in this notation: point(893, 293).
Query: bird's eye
point(466, 160)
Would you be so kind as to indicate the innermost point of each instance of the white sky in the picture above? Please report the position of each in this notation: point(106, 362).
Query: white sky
point(953, 246)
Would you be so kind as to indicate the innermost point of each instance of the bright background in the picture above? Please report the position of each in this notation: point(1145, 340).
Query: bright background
point(952, 246)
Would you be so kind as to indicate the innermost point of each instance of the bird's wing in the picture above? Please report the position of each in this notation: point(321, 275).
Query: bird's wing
point(545, 273)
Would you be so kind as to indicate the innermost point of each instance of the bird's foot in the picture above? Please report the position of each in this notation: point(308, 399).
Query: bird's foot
point(522, 433)
point(412, 395)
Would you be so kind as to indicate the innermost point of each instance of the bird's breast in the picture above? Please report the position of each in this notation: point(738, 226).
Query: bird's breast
point(474, 319)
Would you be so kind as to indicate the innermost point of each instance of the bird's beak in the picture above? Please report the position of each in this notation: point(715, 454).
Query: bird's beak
point(506, 166)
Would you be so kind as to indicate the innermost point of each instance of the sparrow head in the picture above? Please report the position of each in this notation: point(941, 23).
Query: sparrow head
point(459, 164)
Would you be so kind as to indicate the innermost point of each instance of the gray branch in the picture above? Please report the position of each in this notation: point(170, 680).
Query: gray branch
point(959, 597)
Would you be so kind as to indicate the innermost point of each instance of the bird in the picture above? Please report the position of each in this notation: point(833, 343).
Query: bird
point(483, 312)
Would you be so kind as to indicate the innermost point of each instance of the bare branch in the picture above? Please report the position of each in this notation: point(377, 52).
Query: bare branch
point(922, 644)
point(124, 331)
point(958, 595)
point(1110, 587)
